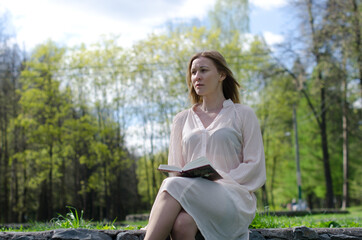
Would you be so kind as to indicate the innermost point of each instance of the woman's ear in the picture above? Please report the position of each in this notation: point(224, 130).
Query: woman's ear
point(222, 76)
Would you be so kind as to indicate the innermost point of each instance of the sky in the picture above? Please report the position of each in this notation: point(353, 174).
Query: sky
point(71, 22)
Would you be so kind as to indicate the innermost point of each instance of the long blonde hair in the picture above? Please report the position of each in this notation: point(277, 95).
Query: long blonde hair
point(230, 86)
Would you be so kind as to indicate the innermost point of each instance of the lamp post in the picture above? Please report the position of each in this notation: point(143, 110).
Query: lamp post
point(299, 177)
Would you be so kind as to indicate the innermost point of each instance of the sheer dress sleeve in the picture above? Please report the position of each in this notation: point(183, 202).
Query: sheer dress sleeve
point(175, 148)
point(251, 170)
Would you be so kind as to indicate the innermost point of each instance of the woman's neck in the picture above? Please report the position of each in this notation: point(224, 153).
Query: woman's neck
point(212, 104)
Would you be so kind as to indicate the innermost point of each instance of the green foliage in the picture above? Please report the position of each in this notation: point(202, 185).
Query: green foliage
point(71, 220)
point(67, 154)
point(144, 169)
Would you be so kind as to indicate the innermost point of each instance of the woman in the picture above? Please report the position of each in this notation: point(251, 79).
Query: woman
point(218, 127)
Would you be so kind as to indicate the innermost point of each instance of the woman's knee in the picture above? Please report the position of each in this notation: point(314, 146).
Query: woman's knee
point(184, 226)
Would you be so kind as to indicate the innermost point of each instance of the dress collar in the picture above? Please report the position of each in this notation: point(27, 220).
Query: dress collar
point(227, 103)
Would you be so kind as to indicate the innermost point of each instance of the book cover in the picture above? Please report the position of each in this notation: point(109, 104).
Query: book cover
point(200, 167)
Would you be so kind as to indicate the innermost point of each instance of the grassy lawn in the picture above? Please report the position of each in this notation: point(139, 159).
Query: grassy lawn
point(73, 220)
point(352, 219)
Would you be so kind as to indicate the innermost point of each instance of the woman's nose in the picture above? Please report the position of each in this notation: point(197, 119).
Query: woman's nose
point(197, 76)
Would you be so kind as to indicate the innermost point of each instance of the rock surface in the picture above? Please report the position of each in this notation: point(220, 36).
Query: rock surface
point(298, 233)
point(75, 234)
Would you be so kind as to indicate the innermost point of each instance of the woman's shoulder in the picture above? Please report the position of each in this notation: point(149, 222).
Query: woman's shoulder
point(181, 116)
point(242, 108)
point(245, 113)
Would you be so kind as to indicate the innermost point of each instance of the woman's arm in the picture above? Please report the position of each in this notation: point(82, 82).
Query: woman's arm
point(175, 148)
point(251, 171)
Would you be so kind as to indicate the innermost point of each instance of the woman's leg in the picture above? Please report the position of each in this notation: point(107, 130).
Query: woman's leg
point(184, 227)
point(163, 216)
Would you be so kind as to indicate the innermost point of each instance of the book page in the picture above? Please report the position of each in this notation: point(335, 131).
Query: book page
point(169, 168)
point(200, 167)
point(202, 161)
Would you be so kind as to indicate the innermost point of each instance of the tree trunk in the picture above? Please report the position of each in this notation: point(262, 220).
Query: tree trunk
point(323, 110)
point(50, 188)
point(345, 200)
point(358, 45)
point(272, 181)
point(25, 195)
point(327, 169)
point(14, 190)
point(43, 202)
point(5, 158)
point(152, 158)
point(145, 162)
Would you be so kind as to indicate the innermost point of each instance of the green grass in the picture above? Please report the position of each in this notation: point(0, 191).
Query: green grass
point(74, 219)
point(134, 225)
point(352, 219)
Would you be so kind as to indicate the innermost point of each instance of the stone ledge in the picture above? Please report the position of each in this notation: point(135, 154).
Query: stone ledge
point(304, 213)
point(298, 233)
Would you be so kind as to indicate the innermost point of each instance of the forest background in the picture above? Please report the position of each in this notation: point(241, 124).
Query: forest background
point(65, 111)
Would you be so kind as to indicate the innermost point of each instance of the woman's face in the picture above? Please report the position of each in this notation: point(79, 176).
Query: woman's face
point(205, 78)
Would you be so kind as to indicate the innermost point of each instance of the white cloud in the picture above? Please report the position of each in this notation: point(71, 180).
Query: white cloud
point(268, 4)
point(272, 38)
point(195, 9)
point(74, 21)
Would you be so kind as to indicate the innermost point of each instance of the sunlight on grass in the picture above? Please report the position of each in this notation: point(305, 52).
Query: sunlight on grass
point(74, 219)
point(352, 219)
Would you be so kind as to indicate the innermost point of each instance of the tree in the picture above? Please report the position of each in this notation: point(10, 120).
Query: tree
point(230, 16)
point(316, 50)
point(329, 37)
point(43, 111)
point(342, 25)
point(10, 66)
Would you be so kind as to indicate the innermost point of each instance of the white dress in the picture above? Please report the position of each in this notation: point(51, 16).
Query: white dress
point(222, 209)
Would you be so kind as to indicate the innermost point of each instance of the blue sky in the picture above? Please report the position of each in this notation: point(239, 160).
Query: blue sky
point(71, 22)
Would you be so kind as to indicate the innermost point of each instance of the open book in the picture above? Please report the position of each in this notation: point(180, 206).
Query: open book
point(200, 167)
